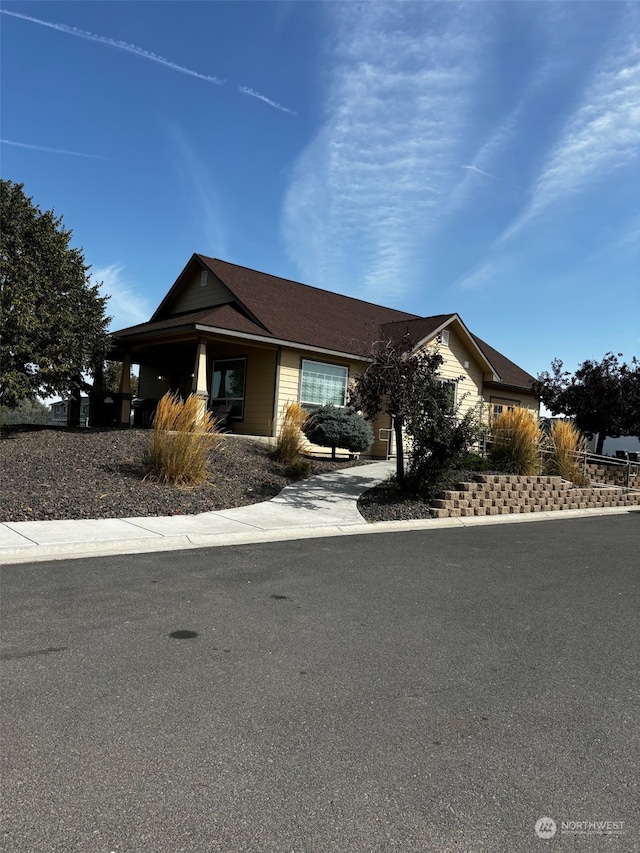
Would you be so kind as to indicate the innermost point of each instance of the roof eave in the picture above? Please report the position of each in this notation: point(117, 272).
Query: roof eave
point(282, 342)
point(456, 317)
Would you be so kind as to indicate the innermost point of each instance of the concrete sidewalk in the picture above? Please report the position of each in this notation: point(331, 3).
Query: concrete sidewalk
point(325, 505)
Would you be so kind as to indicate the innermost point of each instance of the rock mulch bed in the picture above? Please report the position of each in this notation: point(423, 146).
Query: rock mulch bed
point(60, 473)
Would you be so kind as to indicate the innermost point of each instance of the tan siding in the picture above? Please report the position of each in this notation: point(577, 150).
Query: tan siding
point(289, 385)
point(260, 383)
point(149, 386)
point(195, 296)
point(455, 354)
point(380, 445)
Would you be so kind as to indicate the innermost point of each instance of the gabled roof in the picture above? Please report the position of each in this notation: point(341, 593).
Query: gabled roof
point(509, 373)
point(303, 314)
point(264, 307)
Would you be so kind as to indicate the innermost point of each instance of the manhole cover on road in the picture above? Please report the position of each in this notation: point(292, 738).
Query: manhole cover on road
point(183, 635)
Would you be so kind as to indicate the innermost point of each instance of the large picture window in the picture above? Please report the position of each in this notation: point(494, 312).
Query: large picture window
point(227, 385)
point(322, 384)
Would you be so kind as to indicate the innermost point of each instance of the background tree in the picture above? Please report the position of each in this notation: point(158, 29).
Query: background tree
point(53, 327)
point(330, 426)
point(404, 384)
point(601, 396)
point(111, 378)
point(26, 412)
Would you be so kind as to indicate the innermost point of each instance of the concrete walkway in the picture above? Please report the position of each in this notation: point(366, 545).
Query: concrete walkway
point(325, 505)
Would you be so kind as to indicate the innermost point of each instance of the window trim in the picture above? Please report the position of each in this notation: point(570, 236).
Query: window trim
point(308, 404)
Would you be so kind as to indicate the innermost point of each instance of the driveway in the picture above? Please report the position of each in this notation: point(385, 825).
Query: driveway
point(427, 691)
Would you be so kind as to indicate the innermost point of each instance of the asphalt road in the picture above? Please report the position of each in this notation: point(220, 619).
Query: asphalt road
point(427, 691)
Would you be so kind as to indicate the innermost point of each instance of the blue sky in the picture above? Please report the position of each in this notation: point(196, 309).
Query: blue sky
point(479, 157)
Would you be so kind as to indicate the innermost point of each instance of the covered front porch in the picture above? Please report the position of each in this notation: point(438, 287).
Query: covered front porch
point(233, 377)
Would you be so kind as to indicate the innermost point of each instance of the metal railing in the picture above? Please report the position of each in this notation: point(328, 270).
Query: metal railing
point(583, 458)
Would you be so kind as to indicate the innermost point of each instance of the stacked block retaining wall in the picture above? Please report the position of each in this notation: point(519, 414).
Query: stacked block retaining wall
point(495, 494)
point(614, 475)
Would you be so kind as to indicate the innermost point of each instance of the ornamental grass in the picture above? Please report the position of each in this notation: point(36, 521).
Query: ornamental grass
point(517, 442)
point(181, 442)
point(291, 440)
point(566, 445)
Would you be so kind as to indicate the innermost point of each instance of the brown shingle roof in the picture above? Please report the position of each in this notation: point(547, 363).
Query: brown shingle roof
point(417, 329)
point(220, 316)
point(509, 373)
point(300, 314)
point(303, 314)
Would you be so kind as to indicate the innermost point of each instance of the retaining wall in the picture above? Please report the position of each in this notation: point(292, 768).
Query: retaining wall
point(496, 494)
point(614, 475)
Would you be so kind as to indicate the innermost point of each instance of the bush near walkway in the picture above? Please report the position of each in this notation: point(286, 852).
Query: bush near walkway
point(330, 426)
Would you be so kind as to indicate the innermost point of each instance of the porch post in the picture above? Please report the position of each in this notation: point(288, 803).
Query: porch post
point(125, 392)
point(199, 384)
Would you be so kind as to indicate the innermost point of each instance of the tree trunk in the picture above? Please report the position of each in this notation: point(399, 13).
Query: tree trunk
point(600, 443)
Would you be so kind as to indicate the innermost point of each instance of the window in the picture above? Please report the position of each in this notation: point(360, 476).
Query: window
point(322, 384)
point(450, 387)
point(444, 337)
point(497, 408)
point(227, 386)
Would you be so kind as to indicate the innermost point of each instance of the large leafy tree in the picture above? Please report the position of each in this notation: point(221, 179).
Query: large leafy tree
point(53, 327)
point(404, 383)
point(603, 397)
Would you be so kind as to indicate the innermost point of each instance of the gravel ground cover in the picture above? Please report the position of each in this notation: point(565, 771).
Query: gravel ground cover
point(60, 473)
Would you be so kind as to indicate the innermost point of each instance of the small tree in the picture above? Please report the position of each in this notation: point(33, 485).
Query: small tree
point(53, 323)
point(403, 383)
point(602, 396)
point(334, 427)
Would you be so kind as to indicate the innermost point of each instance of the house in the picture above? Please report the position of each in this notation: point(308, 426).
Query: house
point(254, 342)
point(59, 412)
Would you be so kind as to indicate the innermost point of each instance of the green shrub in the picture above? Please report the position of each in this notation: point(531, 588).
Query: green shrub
point(180, 442)
point(440, 443)
point(299, 469)
point(330, 426)
point(566, 444)
point(473, 462)
point(516, 442)
point(290, 440)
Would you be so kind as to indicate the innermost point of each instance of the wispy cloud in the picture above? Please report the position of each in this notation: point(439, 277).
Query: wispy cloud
point(199, 186)
point(600, 137)
point(479, 172)
point(367, 191)
point(50, 150)
point(252, 93)
point(125, 306)
point(120, 45)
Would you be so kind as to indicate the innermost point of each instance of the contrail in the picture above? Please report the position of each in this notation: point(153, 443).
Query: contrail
point(246, 91)
point(480, 172)
point(50, 150)
point(121, 45)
